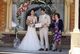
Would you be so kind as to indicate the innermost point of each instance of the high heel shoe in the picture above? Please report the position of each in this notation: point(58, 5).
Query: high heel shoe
point(60, 50)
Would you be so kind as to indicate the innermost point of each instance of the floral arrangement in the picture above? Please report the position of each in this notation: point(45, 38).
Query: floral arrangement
point(50, 33)
point(23, 7)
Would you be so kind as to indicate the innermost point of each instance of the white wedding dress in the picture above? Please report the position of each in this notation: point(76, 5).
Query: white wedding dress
point(30, 42)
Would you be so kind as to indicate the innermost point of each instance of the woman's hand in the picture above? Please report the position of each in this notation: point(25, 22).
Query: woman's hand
point(28, 22)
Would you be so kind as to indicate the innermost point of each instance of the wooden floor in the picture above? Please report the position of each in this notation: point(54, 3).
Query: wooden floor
point(9, 50)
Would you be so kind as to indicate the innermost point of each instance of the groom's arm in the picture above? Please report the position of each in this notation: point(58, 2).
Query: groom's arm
point(39, 19)
point(48, 21)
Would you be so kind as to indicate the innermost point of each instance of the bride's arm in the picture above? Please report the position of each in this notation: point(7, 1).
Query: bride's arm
point(35, 19)
point(28, 21)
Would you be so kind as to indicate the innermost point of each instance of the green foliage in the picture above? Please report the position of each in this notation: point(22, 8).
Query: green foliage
point(20, 2)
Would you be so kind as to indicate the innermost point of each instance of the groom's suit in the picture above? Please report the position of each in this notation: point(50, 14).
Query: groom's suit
point(45, 21)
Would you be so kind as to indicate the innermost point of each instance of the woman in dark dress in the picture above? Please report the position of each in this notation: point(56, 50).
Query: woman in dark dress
point(57, 25)
point(52, 23)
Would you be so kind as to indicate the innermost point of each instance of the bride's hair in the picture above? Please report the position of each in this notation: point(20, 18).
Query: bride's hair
point(31, 10)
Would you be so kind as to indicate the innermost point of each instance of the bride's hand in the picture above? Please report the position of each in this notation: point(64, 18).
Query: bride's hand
point(29, 22)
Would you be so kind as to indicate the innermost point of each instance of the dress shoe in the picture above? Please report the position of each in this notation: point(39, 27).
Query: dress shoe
point(41, 49)
point(46, 49)
point(54, 50)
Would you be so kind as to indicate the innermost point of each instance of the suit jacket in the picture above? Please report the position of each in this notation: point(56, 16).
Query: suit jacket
point(45, 19)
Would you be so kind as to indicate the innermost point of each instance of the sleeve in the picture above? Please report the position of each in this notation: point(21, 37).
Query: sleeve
point(35, 19)
point(52, 25)
point(48, 20)
point(27, 20)
point(61, 26)
point(39, 19)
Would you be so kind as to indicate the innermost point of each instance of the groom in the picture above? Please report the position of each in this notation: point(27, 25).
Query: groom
point(44, 19)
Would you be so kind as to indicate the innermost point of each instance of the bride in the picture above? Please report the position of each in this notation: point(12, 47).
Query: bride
point(30, 41)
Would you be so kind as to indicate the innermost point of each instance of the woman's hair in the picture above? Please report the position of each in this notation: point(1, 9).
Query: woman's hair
point(31, 10)
point(57, 15)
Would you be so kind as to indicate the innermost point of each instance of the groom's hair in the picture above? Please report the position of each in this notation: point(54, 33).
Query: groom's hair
point(42, 9)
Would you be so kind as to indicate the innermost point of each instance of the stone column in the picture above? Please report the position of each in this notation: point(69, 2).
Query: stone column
point(10, 15)
point(76, 26)
point(75, 35)
point(7, 16)
point(67, 17)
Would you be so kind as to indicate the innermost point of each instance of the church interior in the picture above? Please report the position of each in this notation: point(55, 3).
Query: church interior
point(13, 25)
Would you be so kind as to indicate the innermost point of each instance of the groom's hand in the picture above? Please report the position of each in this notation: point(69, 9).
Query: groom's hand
point(45, 25)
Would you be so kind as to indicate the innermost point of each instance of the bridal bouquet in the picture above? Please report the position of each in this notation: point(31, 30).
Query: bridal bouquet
point(29, 21)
